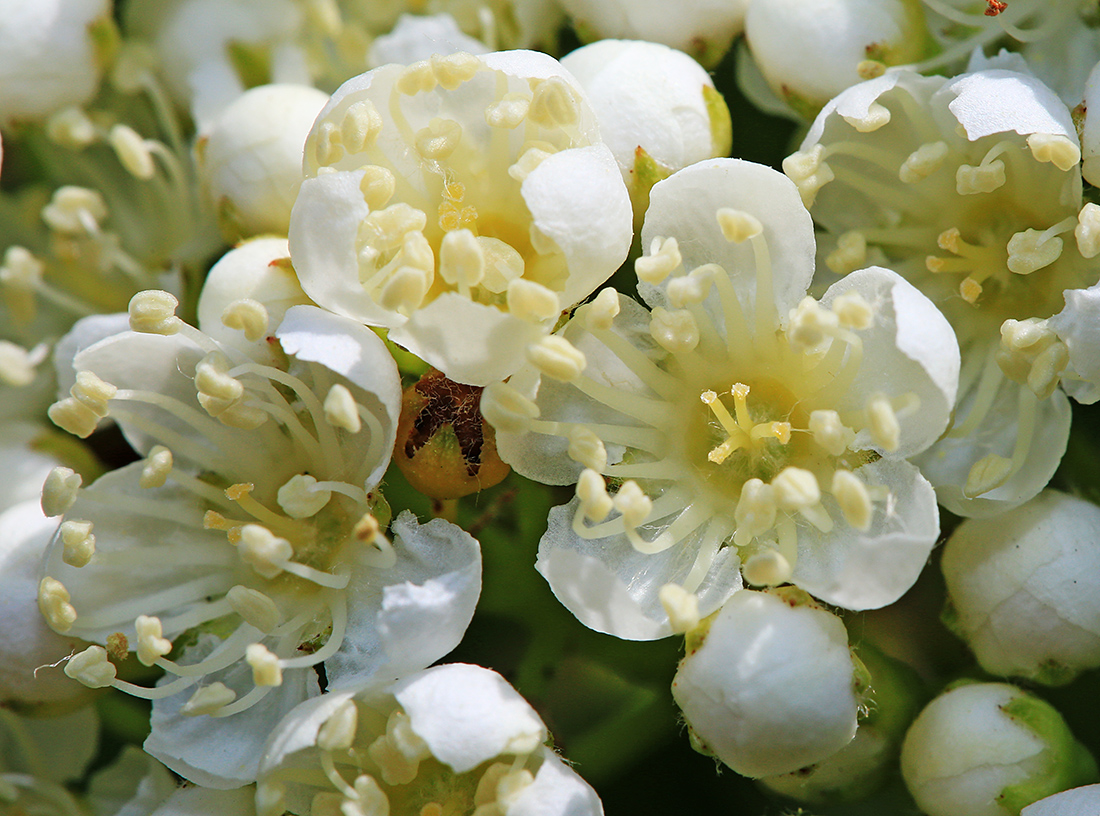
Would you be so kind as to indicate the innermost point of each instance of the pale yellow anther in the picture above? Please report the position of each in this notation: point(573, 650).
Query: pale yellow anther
point(337, 733)
point(970, 290)
point(509, 112)
point(531, 158)
point(877, 116)
point(59, 491)
point(554, 103)
point(91, 667)
point(632, 502)
point(451, 70)
point(1019, 335)
point(266, 670)
point(377, 186)
point(300, 498)
point(360, 126)
point(370, 799)
point(854, 499)
point(158, 465)
point(18, 365)
point(263, 550)
point(923, 162)
point(208, 700)
point(405, 289)
point(217, 391)
point(829, 432)
point(692, 288)
point(92, 392)
point(154, 312)
point(850, 253)
point(506, 409)
point(503, 264)
point(599, 315)
point(75, 210)
point(239, 415)
point(870, 69)
point(532, 301)
point(439, 139)
point(271, 799)
point(592, 492)
point(388, 227)
point(53, 603)
point(681, 606)
point(984, 178)
point(398, 752)
point(810, 324)
point(987, 473)
point(542, 243)
point(1087, 231)
point(664, 256)
point(341, 409)
point(72, 128)
point(768, 567)
point(557, 358)
point(587, 449)
point(367, 529)
point(327, 144)
point(486, 793)
point(132, 151)
point(461, 260)
point(755, 512)
point(795, 489)
point(73, 416)
point(675, 331)
point(248, 316)
point(416, 78)
point(853, 311)
point(1046, 370)
point(1031, 250)
point(1061, 151)
point(78, 542)
point(737, 225)
point(883, 423)
point(254, 607)
point(151, 643)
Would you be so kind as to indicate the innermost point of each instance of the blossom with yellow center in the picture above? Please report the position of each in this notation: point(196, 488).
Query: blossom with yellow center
point(461, 202)
point(736, 427)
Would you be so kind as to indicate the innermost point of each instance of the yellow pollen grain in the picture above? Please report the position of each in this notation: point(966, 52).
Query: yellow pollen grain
point(239, 491)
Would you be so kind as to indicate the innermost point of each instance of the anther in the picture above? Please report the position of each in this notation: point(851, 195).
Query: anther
point(542, 243)
point(266, 670)
point(75, 210)
point(506, 409)
point(360, 126)
point(587, 449)
point(59, 491)
point(883, 421)
point(737, 225)
point(337, 733)
point(755, 512)
point(532, 301)
point(404, 291)
point(91, 667)
point(810, 324)
point(509, 112)
point(557, 358)
point(208, 700)
point(439, 139)
point(78, 542)
point(877, 116)
point(850, 253)
point(92, 392)
point(692, 288)
point(554, 103)
point(768, 567)
point(451, 70)
point(300, 499)
point(1062, 152)
point(592, 492)
point(1031, 249)
point(341, 409)
point(73, 416)
point(132, 151)
point(17, 364)
point(263, 550)
point(985, 178)
point(461, 260)
point(681, 606)
point(255, 608)
point(854, 500)
point(503, 264)
point(853, 311)
point(53, 603)
point(416, 78)
point(675, 331)
point(923, 162)
point(599, 315)
point(248, 316)
point(377, 186)
point(1046, 370)
point(829, 432)
point(988, 473)
point(528, 160)
point(371, 799)
point(151, 643)
point(154, 312)
point(632, 502)
point(795, 489)
point(664, 256)
point(389, 226)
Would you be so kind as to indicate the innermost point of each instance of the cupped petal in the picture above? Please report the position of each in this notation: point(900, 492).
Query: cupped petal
point(1073, 802)
point(685, 206)
point(404, 618)
point(84, 333)
point(556, 791)
point(297, 731)
point(856, 569)
point(611, 587)
point(910, 352)
point(467, 715)
point(997, 101)
point(1078, 326)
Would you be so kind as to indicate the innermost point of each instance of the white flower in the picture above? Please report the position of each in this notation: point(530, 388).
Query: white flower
point(1024, 588)
point(451, 739)
point(811, 50)
point(249, 524)
point(250, 157)
point(970, 189)
point(746, 427)
point(418, 37)
point(989, 749)
point(49, 55)
point(461, 202)
point(768, 685)
point(702, 28)
point(1083, 801)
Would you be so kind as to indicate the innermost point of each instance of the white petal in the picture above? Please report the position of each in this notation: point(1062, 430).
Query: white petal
point(998, 101)
point(1078, 326)
point(1083, 801)
point(557, 791)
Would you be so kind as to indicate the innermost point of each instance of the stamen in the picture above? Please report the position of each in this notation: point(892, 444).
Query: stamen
point(360, 126)
point(377, 186)
point(341, 410)
point(809, 172)
point(554, 103)
point(985, 178)
point(509, 112)
point(1059, 150)
point(152, 645)
point(248, 316)
point(505, 408)
point(267, 554)
point(53, 603)
point(416, 78)
point(675, 331)
point(850, 253)
point(59, 491)
point(532, 301)
point(854, 500)
point(592, 492)
point(599, 315)
point(91, 667)
point(266, 670)
point(854, 312)
point(255, 608)
point(795, 489)
point(78, 541)
point(1087, 231)
point(1031, 249)
point(681, 606)
point(884, 426)
point(664, 257)
point(301, 498)
point(587, 449)
point(18, 365)
point(923, 162)
point(767, 568)
point(154, 312)
point(877, 116)
point(208, 700)
point(756, 510)
point(439, 139)
point(338, 731)
point(158, 465)
point(737, 225)
point(557, 358)
point(692, 288)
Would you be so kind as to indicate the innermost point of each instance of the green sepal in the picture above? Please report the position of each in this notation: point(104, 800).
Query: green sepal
point(721, 124)
point(251, 62)
point(106, 39)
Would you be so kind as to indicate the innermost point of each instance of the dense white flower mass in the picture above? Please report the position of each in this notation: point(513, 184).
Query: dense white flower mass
point(455, 739)
point(969, 188)
point(461, 202)
point(742, 426)
point(251, 523)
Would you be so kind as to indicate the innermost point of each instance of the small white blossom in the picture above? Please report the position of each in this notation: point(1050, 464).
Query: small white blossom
point(451, 739)
point(1024, 588)
point(737, 427)
point(461, 202)
point(768, 685)
point(417, 37)
point(1083, 801)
